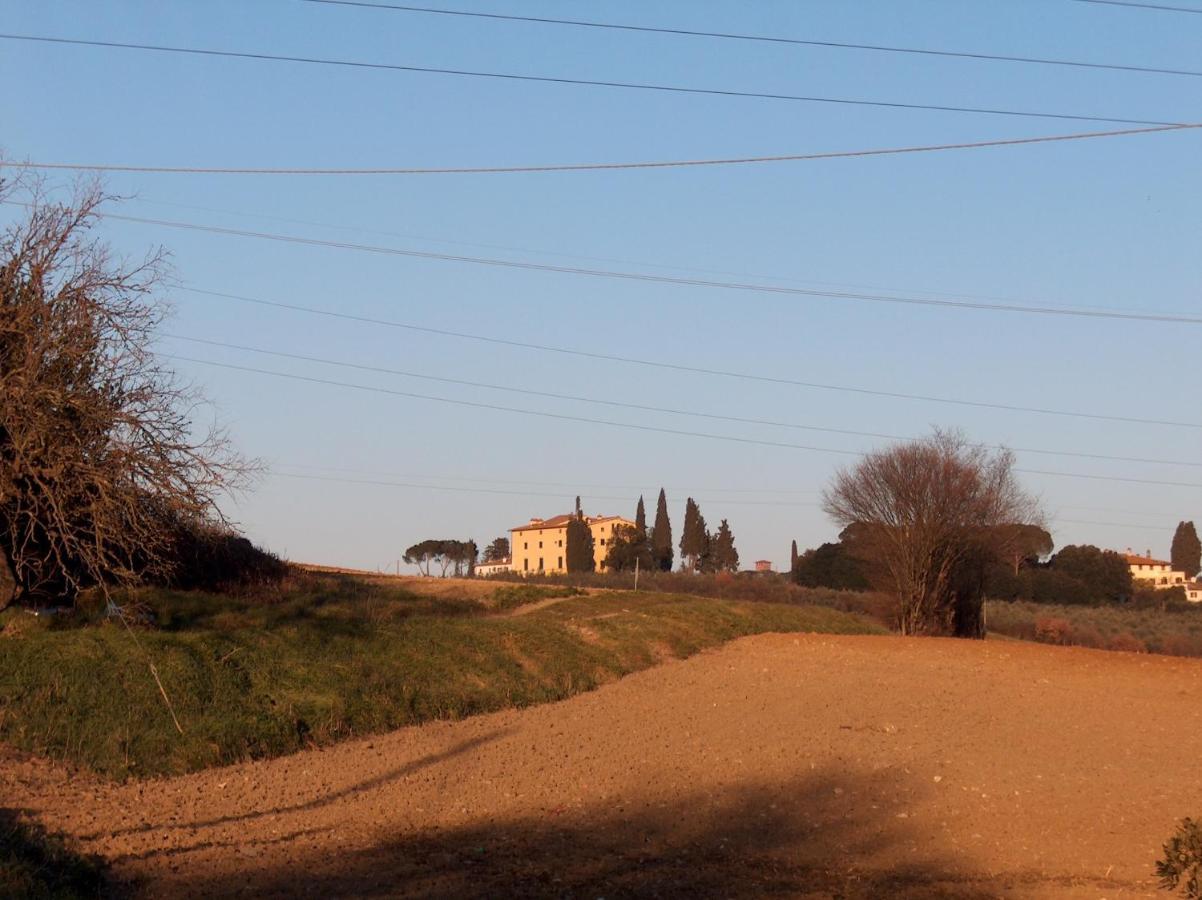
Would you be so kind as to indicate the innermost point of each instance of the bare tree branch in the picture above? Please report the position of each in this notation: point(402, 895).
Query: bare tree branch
point(99, 464)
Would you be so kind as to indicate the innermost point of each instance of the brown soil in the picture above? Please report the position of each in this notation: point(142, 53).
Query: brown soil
point(781, 765)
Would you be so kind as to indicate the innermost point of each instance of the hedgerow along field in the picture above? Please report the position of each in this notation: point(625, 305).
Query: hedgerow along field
point(1175, 631)
point(330, 657)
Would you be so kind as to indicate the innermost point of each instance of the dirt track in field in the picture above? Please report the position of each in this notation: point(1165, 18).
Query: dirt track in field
point(782, 765)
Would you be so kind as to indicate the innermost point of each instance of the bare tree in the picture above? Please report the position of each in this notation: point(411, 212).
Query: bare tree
point(99, 465)
point(927, 517)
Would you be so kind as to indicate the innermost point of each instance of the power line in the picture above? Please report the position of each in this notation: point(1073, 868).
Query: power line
point(510, 248)
point(468, 490)
point(514, 249)
point(1157, 6)
point(656, 409)
point(544, 79)
point(543, 482)
point(696, 370)
point(574, 485)
point(528, 412)
point(590, 167)
point(628, 425)
point(784, 503)
point(686, 32)
point(662, 279)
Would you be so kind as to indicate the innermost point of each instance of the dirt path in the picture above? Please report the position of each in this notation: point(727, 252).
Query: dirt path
point(810, 766)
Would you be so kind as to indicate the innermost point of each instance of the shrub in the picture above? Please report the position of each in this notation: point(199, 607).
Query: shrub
point(1128, 643)
point(1180, 645)
point(209, 558)
point(1052, 630)
point(1176, 631)
point(1182, 863)
point(1088, 636)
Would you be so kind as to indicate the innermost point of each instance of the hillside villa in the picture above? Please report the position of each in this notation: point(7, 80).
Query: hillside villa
point(538, 546)
point(1161, 574)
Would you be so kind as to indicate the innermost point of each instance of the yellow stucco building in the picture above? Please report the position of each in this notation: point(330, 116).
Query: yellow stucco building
point(540, 545)
point(1157, 571)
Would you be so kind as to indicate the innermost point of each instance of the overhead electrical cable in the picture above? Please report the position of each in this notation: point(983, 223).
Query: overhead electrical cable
point(623, 261)
point(573, 485)
point(467, 490)
point(679, 367)
point(529, 265)
point(582, 82)
point(528, 412)
point(628, 425)
point(546, 483)
point(761, 38)
point(1157, 6)
point(742, 420)
point(591, 167)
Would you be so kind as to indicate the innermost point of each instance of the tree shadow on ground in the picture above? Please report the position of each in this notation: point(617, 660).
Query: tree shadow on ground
point(825, 835)
point(324, 799)
point(36, 863)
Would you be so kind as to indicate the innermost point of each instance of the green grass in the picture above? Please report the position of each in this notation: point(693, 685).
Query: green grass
point(332, 657)
point(511, 597)
point(35, 864)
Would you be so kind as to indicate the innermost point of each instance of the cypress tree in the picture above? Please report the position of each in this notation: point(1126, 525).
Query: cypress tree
point(793, 559)
point(661, 537)
point(578, 549)
point(640, 516)
point(1186, 552)
point(723, 557)
point(693, 537)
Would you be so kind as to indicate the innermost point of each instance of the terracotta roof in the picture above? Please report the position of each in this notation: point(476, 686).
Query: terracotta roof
point(553, 522)
point(1133, 560)
point(562, 521)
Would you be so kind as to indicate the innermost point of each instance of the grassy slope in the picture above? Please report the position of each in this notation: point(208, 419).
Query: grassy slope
point(335, 657)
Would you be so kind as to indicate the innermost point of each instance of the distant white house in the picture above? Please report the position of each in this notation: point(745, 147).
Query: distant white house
point(494, 566)
point(1159, 573)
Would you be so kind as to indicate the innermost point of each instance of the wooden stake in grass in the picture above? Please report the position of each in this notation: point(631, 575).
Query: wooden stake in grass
point(112, 608)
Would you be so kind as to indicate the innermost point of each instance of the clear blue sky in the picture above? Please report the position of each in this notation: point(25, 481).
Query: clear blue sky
point(1106, 223)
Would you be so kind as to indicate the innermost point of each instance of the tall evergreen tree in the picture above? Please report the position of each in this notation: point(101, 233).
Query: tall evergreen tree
point(693, 537)
point(1186, 552)
point(793, 559)
point(722, 556)
point(498, 549)
point(640, 516)
point(578, 549)
point(661, 536)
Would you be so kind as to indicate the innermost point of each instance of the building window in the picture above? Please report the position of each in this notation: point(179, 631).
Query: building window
point(525, 565)
point(525, 545)
point(540, 545)
point(561, 562)
point(540, 563)
point(602, 542)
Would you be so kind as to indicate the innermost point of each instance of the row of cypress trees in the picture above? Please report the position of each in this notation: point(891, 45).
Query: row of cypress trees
point(653, 548)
